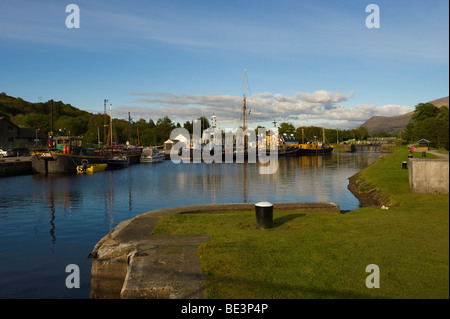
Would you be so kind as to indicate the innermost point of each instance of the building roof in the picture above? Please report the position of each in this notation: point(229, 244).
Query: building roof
point(9, 121)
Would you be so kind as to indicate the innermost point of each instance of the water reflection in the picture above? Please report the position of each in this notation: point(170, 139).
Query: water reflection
point(145, 187)
point(52, 216)
point(48, 222)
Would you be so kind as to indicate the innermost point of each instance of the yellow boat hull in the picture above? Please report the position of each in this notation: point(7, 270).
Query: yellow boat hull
point(91, 168)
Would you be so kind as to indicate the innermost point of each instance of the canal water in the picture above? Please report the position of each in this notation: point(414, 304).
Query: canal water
point(50, 222)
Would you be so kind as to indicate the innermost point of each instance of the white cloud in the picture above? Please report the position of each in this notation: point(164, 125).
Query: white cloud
point(317, 108)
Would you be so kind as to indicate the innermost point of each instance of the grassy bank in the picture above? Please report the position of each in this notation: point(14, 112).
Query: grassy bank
point(324, 255)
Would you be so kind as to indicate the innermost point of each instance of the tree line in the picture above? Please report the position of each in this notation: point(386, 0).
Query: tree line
point(69, 120)
point(308, 133)
point(428, 121)
point(431, 123)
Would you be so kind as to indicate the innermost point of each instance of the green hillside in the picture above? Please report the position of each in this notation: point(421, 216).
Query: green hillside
point(73, 121)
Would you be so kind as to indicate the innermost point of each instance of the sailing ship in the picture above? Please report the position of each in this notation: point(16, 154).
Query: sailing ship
point(288, 144)
point(242, 153)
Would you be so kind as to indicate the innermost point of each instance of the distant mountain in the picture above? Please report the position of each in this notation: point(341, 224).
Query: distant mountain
point(395, 124)
point(440, 102)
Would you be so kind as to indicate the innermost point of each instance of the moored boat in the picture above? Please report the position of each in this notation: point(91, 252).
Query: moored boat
point(288, 145)
point(315, 147)
point(86, 168)
point(67, 153)
point(152, 155)
point(118, 161)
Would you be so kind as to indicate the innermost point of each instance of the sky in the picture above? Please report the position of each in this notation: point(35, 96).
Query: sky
point(307, 62)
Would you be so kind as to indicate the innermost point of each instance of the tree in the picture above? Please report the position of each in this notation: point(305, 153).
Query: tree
point(163, 128)
point(287, 128)
point(436, 130)
point(309, 133)
point(443, 113)
point(431, 123)
point(188, 126)
point(94, 126)
point(361, 133)
point(204, 122)
point(34, 120)
point(424, 111)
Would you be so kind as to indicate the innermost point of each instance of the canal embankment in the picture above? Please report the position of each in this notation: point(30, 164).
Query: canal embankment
point(14, 166)
point(132, 262)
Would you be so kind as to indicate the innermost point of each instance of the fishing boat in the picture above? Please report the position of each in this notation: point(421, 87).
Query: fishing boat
point(86, 168)
point(152, 155)
point(64, 153)
point(315, 147)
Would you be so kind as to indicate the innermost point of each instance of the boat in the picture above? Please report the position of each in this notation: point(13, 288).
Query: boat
point(288, 145)
point(152, 155)
point(86, 168)
point(315, 147)
point(64, 153)
point(118, 161)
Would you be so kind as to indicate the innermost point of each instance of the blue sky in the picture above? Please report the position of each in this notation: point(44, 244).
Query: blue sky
point(307, 62)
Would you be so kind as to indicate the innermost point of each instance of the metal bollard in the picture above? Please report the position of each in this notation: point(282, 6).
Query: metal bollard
point(404, 165)
point(264, 215)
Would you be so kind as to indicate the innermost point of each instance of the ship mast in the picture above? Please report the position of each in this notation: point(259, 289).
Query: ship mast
point(110, 124)
point(245, 98)
point(105, 140)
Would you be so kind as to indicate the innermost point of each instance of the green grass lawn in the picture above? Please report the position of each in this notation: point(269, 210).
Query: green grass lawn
point(324, 255)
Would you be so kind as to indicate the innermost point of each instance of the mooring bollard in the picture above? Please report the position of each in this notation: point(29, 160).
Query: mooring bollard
point(404, 165)
point(264, 215)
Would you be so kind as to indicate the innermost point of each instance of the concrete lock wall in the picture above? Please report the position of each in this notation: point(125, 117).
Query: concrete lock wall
point(14, 166)
point(429, 176)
